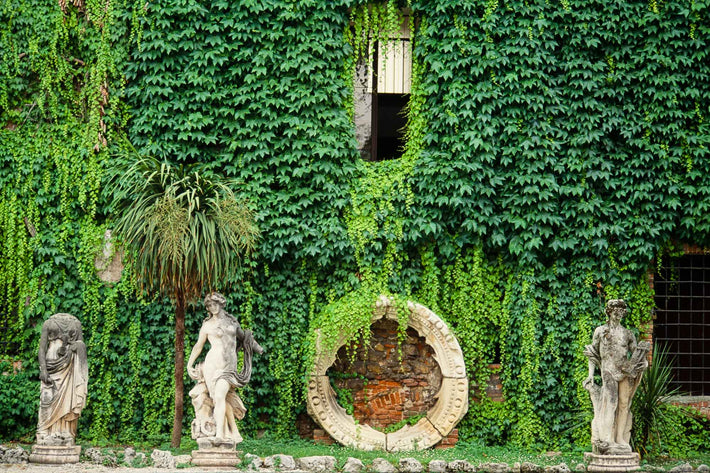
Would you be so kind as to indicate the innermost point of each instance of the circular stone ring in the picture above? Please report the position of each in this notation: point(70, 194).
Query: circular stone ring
point(440, 420)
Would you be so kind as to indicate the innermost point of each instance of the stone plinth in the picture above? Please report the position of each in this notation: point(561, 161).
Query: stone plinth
point(55, 454)
point(612, 463)
point(215, 457)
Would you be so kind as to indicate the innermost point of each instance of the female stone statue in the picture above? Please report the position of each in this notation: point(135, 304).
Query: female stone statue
point(214, 397)
point(64, 373)
point(621, 362)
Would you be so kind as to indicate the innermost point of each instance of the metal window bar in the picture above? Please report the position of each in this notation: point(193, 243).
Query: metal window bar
point(682, 321)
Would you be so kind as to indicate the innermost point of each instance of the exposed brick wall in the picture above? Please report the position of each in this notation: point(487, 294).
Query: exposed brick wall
point(449, 441)
point(494, 389)
point(390, 385)
point(700, 403)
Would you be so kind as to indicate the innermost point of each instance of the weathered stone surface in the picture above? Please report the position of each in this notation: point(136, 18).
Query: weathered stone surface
point(183, 460)
point(252, 462)
point(561, 468)
point(133, 458)
point(55, 454)
point(684, 468)
point(528, 467)
point(317, 464)
point(437, 466)
point(64, 376)
point(353, 465)
point(226, 339)
point(108, 262)
point(446, 413)
point(598, 463)
point(163, 459)
point(419, 436)
point(703, 469)
point(129, 454)
point(410, 465)
point(16, 456)
point(452, 405)
point(460, 465)
point(380, 465)
point(213, 458)
point(280, 462)
point(622, 361)
point(362, 111)
point(324, 408)
point(580, 468)
point(140, 460)
point(99, 457)
point(493, 467)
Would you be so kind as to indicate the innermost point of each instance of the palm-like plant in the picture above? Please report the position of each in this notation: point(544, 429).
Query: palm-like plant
point(185, 233)
point(651, 408)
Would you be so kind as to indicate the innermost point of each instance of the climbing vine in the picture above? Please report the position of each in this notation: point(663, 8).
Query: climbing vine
point(551, 153)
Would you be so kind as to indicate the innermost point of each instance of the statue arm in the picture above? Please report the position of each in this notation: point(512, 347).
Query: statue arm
point(196, 350)
point(592, 353)
point(632, 341)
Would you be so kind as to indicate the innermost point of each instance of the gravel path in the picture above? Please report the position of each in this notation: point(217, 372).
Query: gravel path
point(92, 468)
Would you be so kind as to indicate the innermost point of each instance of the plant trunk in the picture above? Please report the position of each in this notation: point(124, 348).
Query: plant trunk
point(179, 369)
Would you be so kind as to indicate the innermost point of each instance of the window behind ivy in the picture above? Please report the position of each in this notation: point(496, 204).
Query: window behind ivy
point(682, 321)
point(382, 86)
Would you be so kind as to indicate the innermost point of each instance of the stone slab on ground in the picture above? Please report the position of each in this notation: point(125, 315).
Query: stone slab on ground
point(15, 455)
point(493, 467)
point(437, 466)
point(280, 462)
point(460, 466)
point(353, 465)
point(380, 465)
point(410, 465)
point(684, 468)
point(561, 468)
point(252, 462)
point(322, 464)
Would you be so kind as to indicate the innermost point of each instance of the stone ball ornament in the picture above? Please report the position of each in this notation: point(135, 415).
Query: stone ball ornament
point(452, 399)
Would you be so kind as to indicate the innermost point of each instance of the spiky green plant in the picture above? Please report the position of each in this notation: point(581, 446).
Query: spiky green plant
point(185, 233)
point(651, 405)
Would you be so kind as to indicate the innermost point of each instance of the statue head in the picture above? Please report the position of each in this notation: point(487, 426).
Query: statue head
point(214, 300)
point(616, 308)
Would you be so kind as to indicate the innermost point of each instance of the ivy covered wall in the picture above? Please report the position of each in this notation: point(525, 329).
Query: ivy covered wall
point(553, 150)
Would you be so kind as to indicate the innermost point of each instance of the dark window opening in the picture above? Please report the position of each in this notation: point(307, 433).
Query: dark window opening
point(682, 322)
point(390, 121)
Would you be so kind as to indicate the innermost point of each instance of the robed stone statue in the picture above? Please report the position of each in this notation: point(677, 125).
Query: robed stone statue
point(64, 376)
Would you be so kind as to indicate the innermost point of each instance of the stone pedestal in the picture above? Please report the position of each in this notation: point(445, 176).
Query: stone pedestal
point(215, 457)
point(612, 463)
point(55, 454)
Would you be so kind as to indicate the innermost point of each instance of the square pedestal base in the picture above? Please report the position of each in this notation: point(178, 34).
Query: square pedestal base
point(215, 457)
point(55, 454)
point(612, 463)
